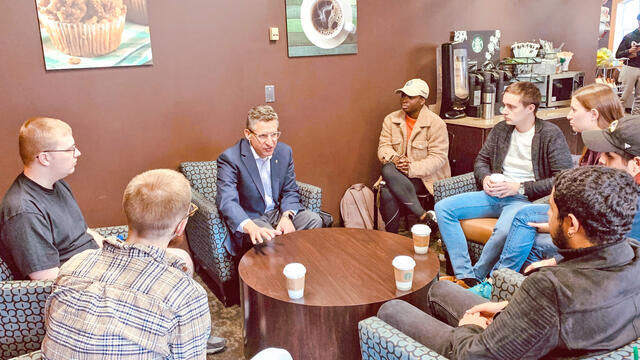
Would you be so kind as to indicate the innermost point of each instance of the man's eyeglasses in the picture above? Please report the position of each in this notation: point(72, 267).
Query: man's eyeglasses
point(73, 148)
point(264, 137)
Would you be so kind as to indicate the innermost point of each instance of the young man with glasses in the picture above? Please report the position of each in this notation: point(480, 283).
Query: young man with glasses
point(134, 299)
point(41, 225)
point(257, 192)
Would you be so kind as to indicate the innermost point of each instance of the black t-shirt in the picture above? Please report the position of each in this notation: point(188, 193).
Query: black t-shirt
point(40, 228)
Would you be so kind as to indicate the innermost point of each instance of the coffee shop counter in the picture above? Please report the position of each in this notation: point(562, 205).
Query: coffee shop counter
point(468, 134)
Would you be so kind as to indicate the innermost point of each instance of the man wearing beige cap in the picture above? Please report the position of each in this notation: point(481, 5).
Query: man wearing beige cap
point(413, 149)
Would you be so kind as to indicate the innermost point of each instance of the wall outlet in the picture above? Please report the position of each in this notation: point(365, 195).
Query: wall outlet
point(270, 93)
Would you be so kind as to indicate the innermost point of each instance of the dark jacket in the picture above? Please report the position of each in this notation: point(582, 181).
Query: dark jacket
point(625, 45)
point(240, 193)
point(588, 304)
point(549, 154)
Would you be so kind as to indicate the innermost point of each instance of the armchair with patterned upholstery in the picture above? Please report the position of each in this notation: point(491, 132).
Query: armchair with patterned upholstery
point(22, 304)
point(478, 230)
point(206, 232)
point(379, 340)
point(21, 313)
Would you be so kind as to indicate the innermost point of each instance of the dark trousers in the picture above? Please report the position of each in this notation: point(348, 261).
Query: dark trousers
point(447, 303)
point(399, 190)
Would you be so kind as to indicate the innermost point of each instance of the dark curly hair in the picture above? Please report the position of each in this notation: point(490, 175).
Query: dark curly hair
point(602, 199)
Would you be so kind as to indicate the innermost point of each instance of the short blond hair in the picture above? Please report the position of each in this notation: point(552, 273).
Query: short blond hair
point(39, 134)
point(260, 113)
point(155, 201)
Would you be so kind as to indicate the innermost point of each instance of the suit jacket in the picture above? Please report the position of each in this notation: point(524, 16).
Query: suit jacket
point(240, 194)
point(427, 149)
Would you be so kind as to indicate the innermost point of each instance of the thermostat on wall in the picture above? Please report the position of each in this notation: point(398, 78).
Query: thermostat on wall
point(274, 34)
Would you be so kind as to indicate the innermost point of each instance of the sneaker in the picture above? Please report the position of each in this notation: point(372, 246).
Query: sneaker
point(483, 289)
point(215, 344)
point(431, 221)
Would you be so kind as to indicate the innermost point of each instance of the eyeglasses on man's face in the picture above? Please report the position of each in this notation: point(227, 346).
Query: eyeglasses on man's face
point(264, 137)
point(73, 148)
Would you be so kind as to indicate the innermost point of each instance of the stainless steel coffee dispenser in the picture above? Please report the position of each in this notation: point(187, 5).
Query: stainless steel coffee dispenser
point(455, 82)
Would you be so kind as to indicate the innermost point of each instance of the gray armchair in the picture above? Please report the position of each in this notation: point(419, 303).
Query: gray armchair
point(207, 232)
point(22, 304)
point(21, 313)
point(379, 340)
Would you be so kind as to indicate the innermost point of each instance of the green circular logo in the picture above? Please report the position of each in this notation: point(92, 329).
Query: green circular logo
point(477, 44)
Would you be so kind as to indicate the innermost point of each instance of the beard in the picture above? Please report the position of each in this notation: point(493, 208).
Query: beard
point(559, 238)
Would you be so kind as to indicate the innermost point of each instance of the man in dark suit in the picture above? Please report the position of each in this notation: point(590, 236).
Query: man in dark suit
point(257, 192)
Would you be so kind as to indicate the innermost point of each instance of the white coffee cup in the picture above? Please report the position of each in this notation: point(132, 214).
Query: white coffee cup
point(344, 25)
point(421, 234)
point(497, 178)
point(295, 274)
point(403, 270)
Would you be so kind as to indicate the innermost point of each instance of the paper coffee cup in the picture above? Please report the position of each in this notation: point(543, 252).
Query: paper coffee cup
point(403, 269)
point(421, 234)
point(496, 178)
point(295, 274)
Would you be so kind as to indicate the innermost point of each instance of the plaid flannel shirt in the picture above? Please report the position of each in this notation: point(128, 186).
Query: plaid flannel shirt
point(126, 301)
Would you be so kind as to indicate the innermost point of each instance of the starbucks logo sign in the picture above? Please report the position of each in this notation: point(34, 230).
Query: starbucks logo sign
point(477, 44)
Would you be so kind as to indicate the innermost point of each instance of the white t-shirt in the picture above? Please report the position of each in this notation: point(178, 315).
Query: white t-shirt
point(517, 164)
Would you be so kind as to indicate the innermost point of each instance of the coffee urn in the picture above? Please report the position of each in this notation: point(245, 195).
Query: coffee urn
point(488, 100)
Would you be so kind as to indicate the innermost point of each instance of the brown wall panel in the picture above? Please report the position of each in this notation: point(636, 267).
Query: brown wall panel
point(211, 62)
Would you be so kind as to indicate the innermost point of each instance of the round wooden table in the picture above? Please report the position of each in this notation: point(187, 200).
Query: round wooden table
point(349, 276)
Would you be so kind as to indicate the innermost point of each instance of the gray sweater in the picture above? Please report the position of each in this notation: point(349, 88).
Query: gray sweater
point(585, 305)
point(549, 153)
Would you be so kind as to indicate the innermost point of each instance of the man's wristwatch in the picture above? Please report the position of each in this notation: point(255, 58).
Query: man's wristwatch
point(521, 189)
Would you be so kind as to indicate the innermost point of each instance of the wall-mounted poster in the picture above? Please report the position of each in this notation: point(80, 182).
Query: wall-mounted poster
point(321, 27)
point(94, 33)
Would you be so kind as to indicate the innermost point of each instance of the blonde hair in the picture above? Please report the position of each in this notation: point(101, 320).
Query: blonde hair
point(39, 134)
point(260, 113)
point(602, 98)
point(155, 201)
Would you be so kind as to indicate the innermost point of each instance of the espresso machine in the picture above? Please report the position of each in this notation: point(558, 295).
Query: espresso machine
point(455, 82)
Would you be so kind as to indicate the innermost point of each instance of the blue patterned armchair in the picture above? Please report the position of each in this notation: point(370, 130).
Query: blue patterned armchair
point(21, 313)
point(22, 304)
point(379, 340)
point(206, 232)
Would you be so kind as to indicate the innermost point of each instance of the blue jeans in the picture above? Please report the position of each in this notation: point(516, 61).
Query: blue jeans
point(524, 245)
point(478, 204)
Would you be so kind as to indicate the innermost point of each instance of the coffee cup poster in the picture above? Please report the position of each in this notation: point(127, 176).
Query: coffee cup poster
point(80, 34)
point(321, 27)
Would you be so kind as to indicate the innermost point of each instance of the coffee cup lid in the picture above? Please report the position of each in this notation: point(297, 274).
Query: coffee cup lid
point(421, 229)
point(403, 262)
point(294, 270)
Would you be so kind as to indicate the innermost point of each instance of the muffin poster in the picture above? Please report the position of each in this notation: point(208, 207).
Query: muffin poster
point(321, 27)
point(80, 34)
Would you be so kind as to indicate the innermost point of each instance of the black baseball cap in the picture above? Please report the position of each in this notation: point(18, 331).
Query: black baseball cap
point(621, 135)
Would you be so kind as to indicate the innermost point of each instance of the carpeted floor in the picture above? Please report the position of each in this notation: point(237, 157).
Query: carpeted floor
point(227, 322)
